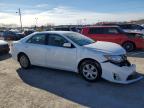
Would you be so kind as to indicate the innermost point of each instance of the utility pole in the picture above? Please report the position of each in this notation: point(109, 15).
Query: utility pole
point(19, 12)
point(36, 19)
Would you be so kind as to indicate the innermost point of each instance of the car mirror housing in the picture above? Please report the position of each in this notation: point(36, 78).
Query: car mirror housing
point(67, 45)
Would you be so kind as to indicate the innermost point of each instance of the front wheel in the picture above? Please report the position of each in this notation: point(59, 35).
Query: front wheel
point(24, 61)
point(90, 71)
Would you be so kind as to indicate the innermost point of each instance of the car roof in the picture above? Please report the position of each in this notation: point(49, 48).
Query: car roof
point(56, 32)
point(101, 26)
point(128, 24)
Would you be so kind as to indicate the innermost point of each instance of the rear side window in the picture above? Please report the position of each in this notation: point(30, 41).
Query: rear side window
point(103, 31)
point(96, 31)
point(37, 39)
point(112, 31)
point(126, 26)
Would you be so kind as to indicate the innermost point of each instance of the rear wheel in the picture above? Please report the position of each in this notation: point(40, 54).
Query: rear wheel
point(24, 61)
point(128, 46)
point(90, 71)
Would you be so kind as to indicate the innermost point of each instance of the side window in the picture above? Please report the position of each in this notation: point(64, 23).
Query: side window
point(112, 31)
point(134, 27)
point(123, 26)
point(96, 31)
point(37, 39)
point(126, 26)
point(129, 27)
point(56, 40)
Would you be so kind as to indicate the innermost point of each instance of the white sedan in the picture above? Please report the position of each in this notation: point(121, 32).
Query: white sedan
point(77, 53)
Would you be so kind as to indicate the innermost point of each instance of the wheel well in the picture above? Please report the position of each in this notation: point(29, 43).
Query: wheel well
point(129, 42)
point(21, 53)
point(89, 59)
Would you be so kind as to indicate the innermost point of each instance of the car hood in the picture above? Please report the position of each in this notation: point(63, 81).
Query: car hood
point(3, 42)
point(107, 47)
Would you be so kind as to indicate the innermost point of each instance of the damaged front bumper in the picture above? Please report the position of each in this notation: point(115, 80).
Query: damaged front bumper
point(122, 75)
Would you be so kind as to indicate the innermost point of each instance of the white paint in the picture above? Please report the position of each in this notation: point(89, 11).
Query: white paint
point(69, 58)
point(2, 42)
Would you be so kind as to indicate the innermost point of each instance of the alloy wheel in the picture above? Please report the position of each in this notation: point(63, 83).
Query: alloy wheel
point(90, 72)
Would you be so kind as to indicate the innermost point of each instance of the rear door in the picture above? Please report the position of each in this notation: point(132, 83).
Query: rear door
point(105, 34)
point(35, 48)
point(96, 33)
point(114, 35)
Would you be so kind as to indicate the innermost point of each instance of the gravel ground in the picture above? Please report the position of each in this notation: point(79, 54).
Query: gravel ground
point(48, 88)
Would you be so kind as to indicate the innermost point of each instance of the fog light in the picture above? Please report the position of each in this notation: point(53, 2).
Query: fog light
point(116, 77)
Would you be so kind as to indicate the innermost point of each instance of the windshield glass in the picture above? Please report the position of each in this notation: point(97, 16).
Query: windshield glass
point(79, 39)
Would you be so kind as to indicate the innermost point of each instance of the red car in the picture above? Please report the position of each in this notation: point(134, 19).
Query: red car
point(129, 41)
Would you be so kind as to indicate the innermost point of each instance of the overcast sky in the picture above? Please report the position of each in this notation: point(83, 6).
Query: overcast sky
point(70, 11)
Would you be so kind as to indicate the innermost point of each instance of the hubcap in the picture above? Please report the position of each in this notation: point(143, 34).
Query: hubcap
point(24, 61)
point(90, 72)
point(129, 47)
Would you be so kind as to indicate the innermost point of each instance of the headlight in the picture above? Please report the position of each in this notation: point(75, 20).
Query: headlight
point(114, 58)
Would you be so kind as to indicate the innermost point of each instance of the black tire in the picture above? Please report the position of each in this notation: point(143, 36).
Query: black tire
point(128, 46)
point(24, 61)
point(96, 71)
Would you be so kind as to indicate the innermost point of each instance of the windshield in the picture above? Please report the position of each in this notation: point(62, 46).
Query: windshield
point(79, 39)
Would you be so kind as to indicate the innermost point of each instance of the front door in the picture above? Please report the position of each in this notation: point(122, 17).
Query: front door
point(58, 56)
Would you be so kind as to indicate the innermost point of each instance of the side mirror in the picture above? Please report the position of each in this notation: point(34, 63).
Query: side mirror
point(67, 45)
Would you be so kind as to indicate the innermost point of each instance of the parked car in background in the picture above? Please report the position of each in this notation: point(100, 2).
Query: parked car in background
point(9, 35)
point(74, 29)
point(4, 47)
point(132, 28)
point(61, 29)
point(75, 52)
point(1, 33)
point(129, 40)
point(129, 27)
point(28, 32)
point(12, 35)
point(20, 35)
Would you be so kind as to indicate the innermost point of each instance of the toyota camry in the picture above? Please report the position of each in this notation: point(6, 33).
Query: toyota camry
point(77, 53)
